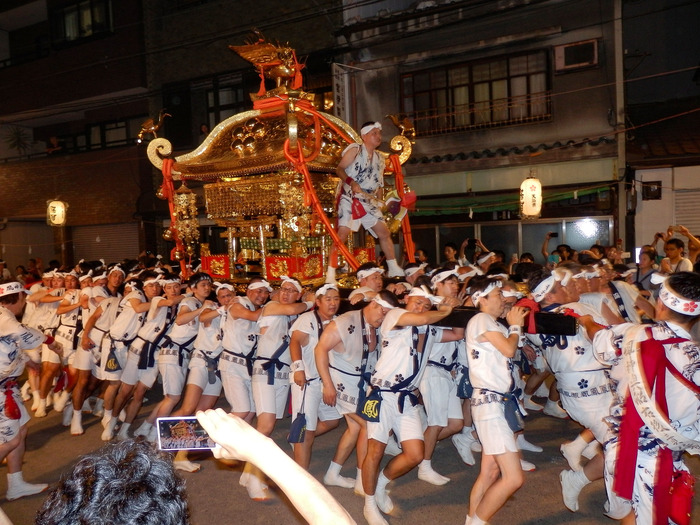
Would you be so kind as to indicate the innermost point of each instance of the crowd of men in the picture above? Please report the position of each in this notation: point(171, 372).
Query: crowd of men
point(399, 377)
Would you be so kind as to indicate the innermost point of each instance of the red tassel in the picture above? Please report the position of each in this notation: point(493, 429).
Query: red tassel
point(11, 409)
point(61, 383)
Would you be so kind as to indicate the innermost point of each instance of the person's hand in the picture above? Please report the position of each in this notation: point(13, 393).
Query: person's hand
point(685, 232)
point(56, 347)
point(452, 302)
point(665, 266)
point(236, 438)
point(355, 187)
point(516, 316)
point(445, 306)
point(548, 236)
point(86, 343)
point(309, 296)
point(329, 394)
point(300, 378)
point(529, 353)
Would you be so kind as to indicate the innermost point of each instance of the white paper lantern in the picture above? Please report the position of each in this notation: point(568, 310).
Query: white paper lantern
point(530, 198)
point(56, 212)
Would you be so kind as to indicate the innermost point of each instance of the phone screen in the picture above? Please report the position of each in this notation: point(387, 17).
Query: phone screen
point(182, 433)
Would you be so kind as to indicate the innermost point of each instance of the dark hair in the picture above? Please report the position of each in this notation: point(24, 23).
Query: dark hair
point(389, 297)
point(501, 254)
point(197, 277)
point(368, 123)
point(526, 255)
point(367, 266)
point(525, 269)
point(677, 243)
point(496, 268)
point(450, 245)
point(410, 265)
point(537, 277)
point(687, 285)
point(126, 483)
point(479, 283)
point(423, 280)
point(599, 248)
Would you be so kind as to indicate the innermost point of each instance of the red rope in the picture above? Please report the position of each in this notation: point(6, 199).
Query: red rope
point(299, 164)
point(169, 193)
point(410, 248)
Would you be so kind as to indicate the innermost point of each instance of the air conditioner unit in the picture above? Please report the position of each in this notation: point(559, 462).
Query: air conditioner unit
point(576, 55)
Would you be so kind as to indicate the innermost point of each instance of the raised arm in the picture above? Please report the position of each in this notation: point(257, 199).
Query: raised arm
point(240, 441)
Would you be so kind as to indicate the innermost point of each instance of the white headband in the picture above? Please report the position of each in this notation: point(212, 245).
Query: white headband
point(484, 258)
point(369, 271)
point(370, 127)
point(628, 272)
point(287, 279)
point(410, 271)
point(224, 286)
point(260, 284)
point(103, 275)
point(419, 292)
point(10, 288)
point(441, 276)
point(473, 270)
point(86, 276)
point(511, 293)
point(678, 303)
point(503, 276)
point(324, 289)
point(116, 268)
point(580, 275)
point(543, 288)
point(483, 293)
point(381, 302)
point(170, 281)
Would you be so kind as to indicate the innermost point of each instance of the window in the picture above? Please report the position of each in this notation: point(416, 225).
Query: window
point(228, 96)
point(110, 134)
point(82, 20)
point(497, 92)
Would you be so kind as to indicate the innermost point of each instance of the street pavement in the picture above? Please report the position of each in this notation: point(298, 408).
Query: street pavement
point(216, 498)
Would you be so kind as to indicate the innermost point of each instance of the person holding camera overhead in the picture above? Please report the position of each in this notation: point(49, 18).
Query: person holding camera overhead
point(563, 250)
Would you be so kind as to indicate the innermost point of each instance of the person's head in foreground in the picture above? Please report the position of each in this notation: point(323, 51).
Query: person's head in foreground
point(125, 483)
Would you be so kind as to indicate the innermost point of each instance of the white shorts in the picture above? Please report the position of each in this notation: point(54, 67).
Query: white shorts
point(618, 507)
point(372, 217)
point(9, 428)
point(314, 407)
point(495, 435)
point(406, 426)
point(84, 360)
point(199, 375)
point(119, 357)
point(238, 390)
point(34, 354)
point(589, 412)
point(439, 392)
point(270, 399)
point(49, 356)
point(347, 392)
point(173, 377)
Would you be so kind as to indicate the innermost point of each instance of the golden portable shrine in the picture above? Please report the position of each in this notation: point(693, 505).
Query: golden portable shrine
point(270, 180)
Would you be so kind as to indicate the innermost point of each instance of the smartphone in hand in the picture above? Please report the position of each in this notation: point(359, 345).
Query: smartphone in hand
point(182, 433)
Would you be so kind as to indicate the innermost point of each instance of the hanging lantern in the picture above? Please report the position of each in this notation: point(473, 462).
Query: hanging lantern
point(56, 213)
point(531, 197)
